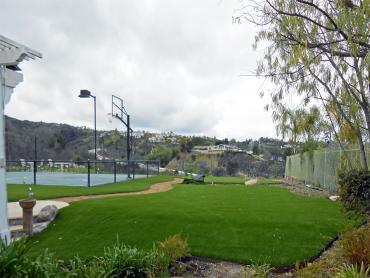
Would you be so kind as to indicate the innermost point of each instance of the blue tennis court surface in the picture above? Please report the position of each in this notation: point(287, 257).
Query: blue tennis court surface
point(58, 178)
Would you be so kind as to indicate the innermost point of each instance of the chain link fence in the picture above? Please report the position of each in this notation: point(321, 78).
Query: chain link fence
point(320, 167)
point(78, 173)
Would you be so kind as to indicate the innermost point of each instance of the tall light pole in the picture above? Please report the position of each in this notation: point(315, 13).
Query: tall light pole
point(118, 112)
point(87, 94)
point(11, 54)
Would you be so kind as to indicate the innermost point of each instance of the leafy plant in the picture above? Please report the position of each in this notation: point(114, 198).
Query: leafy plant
point(44, 266)
point(353, 271)
point(124, 261)
point(117, 261)
point(355, 190)
point(88, 268)
point(356, 245)
point(12, 256)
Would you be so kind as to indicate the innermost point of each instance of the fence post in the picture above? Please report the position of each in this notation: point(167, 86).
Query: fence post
point(133, 170)
point(34, 171)
point(88, 172)
point(159, 162)
point(147, 169)
point(115, 171)
point(325, 170)
point(128, 169)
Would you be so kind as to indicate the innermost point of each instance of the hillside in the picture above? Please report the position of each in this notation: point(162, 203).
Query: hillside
point(227, 164)
point(263, 157)
point(57, 141)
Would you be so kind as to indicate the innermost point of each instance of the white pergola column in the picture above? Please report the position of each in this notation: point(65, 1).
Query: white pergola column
point(11, 54)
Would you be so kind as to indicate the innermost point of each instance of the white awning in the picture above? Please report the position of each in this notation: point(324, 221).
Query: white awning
point(12, 53)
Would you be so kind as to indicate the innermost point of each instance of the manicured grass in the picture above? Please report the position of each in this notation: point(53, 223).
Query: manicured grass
point(42, 192)
point(235, 180)
point(236, 223)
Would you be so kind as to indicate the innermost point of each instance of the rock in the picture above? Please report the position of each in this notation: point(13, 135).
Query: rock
point(334, 198)
point(251, 182)
point(47, 213)
point(37, 228)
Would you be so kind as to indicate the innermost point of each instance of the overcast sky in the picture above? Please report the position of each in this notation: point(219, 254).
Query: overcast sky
point(176, 64)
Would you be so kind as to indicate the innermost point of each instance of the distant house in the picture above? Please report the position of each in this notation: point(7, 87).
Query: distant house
point(163, 137)
point(215, 149)
point(156, 138)
point(138, 134)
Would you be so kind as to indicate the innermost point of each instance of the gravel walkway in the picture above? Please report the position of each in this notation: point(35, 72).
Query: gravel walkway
point(154, 188)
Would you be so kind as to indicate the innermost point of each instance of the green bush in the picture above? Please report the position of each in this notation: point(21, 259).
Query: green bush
point(355, 190)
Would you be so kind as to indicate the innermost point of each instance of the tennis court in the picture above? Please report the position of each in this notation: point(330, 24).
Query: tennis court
point(60, 178)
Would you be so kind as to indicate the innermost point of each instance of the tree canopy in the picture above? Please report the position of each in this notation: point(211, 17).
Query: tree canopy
point(318, 53)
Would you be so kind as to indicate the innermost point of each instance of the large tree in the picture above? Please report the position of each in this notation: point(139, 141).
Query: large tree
point(319, 51)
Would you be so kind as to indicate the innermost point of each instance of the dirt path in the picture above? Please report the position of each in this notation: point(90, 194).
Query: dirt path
point(154, 188)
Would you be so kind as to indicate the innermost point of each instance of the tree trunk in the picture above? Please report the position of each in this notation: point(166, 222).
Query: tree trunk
point(363, 157)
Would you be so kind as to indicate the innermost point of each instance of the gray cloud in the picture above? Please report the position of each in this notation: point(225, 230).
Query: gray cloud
point(176, 64)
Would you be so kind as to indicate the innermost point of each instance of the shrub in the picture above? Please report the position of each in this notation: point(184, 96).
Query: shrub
point(188, 181)
point(174, 247)
point(356, 245)
point(44, 266)
point(125, 261)
point(355, 190)
point(87, 268)
point(12, 257)
point(353, 271)
point(117, 261)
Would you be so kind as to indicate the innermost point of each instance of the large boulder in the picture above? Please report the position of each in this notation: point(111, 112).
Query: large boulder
point(39, 227)
point(47, 214)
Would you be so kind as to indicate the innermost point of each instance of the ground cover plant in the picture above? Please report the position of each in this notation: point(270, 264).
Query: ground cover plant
point(236, 223)
point(41, 192)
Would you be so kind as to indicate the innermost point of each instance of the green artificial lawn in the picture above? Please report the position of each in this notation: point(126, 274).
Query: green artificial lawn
point(42, 192)
point(236, 223)
point(235, 180)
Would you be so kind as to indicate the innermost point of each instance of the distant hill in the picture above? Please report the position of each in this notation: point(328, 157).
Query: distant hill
point(263, 157)
point(55, 141)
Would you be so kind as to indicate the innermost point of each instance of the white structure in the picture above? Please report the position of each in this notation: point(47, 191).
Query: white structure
point(11, 54)
point(216, 149)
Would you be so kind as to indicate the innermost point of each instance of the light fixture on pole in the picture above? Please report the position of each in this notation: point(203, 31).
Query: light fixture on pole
point(87, 94)
point(11, 54)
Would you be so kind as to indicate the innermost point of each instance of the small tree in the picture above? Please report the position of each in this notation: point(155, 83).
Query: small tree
point(318, 53)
